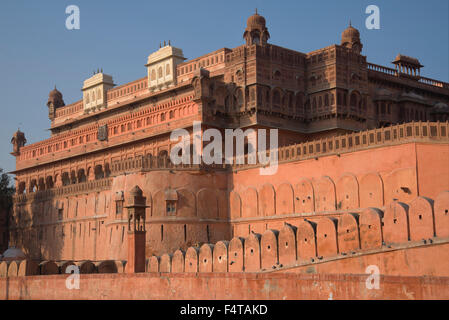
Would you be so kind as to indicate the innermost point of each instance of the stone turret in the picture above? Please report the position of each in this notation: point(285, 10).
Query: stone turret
point(161, 66)
point(350, 38)
point(94, 91)
point(55, 101)
point(18, 140)
point(136, 231)
point(256, 31)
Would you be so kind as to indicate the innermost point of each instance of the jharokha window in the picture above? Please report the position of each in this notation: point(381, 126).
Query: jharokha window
point(119, 207)
point(119, 202)
point(171, 199)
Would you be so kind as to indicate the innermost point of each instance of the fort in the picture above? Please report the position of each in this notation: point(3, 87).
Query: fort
point(362, 180)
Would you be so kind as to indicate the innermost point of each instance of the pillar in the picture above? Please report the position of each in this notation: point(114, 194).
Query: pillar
point(136, 231)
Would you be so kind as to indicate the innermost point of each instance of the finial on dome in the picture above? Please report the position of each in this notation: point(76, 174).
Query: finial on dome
point(256, 31)
point(350, 38)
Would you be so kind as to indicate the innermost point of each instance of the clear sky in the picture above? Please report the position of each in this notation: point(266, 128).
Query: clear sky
point(37, 52)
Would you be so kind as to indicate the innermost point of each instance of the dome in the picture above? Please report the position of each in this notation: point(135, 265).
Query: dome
point(350, 38)
point(256, 31)
point(19, 135)
point(55, 98)
point(350, 33)
point(136, 192)
point(13, 253)
point(256, 21)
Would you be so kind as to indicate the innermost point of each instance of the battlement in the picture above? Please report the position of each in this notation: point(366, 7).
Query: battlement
point(399, 226)
point(371, 235)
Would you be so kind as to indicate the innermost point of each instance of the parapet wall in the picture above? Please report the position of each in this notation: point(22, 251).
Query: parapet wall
point(398, 228)
point(228, 286)
point(320, 259)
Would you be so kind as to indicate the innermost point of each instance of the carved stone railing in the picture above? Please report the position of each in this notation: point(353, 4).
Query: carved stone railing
point(83, 187)
point(141, 164)
point(408, 132)
point(394, 72)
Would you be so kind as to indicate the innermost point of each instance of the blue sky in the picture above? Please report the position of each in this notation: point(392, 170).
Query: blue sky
point(37, 51)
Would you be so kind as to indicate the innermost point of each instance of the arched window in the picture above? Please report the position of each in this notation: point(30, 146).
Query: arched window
point(98, 171)
point(167, 69)
point(277, 75)
point(276, 98)
point(256, 39)
point(153, 75)
point(353, 100)
point(239, 98)
point(159, 71)
point(227, 103)
point(299, 103)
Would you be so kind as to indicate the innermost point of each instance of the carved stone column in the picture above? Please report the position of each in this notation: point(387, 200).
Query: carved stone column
point(136, 231)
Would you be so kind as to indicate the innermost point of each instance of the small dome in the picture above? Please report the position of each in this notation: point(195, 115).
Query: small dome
point(350, 38)
point(19, 134)
point(55, 97)
point(256, 31)
point(350, 33)
point(12, 253)
point(256, 21)
point(136, 192)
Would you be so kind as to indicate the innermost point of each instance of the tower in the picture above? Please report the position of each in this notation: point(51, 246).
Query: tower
point(54, 101)
point(18, 141)
point(350, 38)
point(161, 66)
point(256, 31)
point(136, 231)
point(94, 91)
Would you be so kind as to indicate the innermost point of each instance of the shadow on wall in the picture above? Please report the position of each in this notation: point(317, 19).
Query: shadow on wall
point(32, 231)
point(324, 195)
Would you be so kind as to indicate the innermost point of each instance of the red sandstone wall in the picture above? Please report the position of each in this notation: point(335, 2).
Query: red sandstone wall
point(401, 240)
point(368, 178)
point(433, 168)
point(223, 286)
